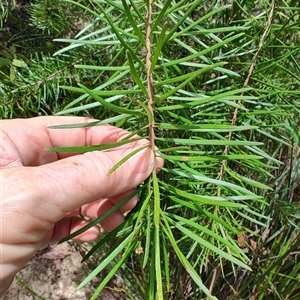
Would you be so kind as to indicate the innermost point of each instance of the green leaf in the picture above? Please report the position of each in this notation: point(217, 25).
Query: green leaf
point(203, 52)
point(109, 105)
point(202, 200)
point(133, 23)
point(206, 127)
point(103, 68)
point(182, 19)
point(12, 74)
point(19, 63)
point(158, 274)
point(105, 261)
point(91, 124)
point(156, 194)
point(113, 271)
point(147, 110)
point(204, 229)
point(204, 158)
point(125, 158)
point(83, 149)
point(189, 77)
point(135, 75)
point(99, 219)
point(119, 36)
point(158, 48)
point(161, 15)
point(208, 245)
point(148, 240)
point(186, 264)
point(209, 142)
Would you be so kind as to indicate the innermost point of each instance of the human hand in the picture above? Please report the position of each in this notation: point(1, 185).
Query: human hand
point(43, 192)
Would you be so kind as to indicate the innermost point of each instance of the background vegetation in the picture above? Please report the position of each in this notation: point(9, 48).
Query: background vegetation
point(219, 96)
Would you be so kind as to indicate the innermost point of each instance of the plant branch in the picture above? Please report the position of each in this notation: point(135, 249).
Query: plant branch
point(149, 74)
point(250, 72)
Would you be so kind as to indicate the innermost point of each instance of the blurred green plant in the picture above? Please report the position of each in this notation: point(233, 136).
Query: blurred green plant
point(55, 17)
point(215, 86)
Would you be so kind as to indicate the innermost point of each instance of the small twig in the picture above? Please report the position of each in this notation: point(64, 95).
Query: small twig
point(149, 74)
point(250, 72)
point(261, 42)
point(216, 273)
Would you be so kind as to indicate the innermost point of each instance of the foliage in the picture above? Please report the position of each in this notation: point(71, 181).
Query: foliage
point(47, 16)
point(214, 86)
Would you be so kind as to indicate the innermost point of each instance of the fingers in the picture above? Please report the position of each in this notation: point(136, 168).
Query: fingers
point(92, 210)
point(51, 191)
point(35, 134)
point(96, 209)
point(69, 225)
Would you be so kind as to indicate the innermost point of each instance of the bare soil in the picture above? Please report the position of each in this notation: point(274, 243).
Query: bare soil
point(54, 274)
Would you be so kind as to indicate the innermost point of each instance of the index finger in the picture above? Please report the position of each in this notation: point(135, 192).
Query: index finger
point(26, 140)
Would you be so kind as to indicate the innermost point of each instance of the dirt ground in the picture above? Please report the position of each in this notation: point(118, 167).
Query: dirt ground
point(54, 274)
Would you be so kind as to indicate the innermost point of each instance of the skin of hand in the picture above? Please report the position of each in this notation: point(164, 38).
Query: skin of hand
point(43, 192)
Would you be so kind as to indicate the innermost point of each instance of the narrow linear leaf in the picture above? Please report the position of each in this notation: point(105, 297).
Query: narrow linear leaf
point(167, 264)
point(82, 149)
point(134, 73)
point(158, 275)
point(186, 264)
point(193, 174)
point(210, 142)
point(203, 52)
point(182, 20)
point(99, 219)
point(90, 124)
point(204, 229)
point(156, 194)
point(202, 200)
point(28, 289)
point(189, 79)
point(102, 68)
point(133, 23)
point(105, 261)
point(147, 110)
point(203, 158)
point(210, 246)
point(142, 210)
point(252, 220)
point(110, 236)
point(158, 47)
point(137, 10)
point(120, 38)
point(187, 30)
point(248, 181)
point(148, 239)
point(206, 127)
point(162, 12)
point(109, 105)
point(113, 271)
point(197, 208)
point(124, 159)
